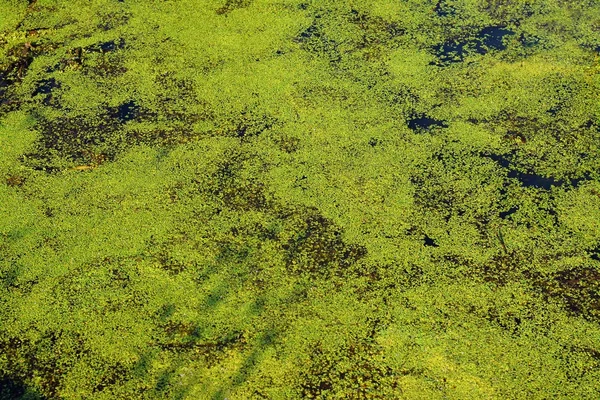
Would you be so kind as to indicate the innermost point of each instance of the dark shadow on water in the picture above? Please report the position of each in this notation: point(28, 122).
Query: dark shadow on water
point(308, 33)
point(503, 160)
point(575, 182)
point(553, 110)
point(249, 364)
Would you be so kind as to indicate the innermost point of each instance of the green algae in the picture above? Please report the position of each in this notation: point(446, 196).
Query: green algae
point(299, 199)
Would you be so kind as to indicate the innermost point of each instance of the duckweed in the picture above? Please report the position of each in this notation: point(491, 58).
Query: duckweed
point(255, 199)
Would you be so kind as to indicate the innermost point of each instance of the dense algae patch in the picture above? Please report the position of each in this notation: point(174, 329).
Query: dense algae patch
point(299, 200)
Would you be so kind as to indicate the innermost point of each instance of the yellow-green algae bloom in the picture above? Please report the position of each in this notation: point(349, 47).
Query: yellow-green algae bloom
point(285, 199)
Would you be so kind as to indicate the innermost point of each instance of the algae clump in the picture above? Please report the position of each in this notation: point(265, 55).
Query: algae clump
point(319, 199)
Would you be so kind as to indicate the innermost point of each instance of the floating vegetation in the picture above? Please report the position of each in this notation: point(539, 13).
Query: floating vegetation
point(300, 199)
point(319, 249)
point(231, 5)
point(576, 288)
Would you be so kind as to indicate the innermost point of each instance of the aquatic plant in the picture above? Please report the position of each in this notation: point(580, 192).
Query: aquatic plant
point(299, 199)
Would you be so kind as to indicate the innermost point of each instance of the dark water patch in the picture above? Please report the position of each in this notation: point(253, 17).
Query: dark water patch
point(424, 122)
point(105, 47)
point(554, 110)
point(4, 80)
point(509, 212)
point(430, 242)
point(595, 254)
point(395, 30)
point(89, 140)
point(25, 359)
point(535, 180)
point(489, 38)
point(73, 58)
point(15, 389)
point(374, 142)
point(309, 33)
point(443, 9)
point(590, 124)
point(492, 37)
point(576, 182)
point(448, 53)
point(126, 112)
point(100, 59)
point(526, 179)
point(45, 86)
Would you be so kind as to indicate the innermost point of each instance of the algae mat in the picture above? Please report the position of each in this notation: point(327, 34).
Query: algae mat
point(261, 199)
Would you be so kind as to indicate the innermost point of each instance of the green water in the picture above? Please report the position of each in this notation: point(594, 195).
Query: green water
point(259, 199)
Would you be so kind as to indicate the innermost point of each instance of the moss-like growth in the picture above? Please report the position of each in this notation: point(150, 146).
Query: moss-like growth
point(236, 199)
